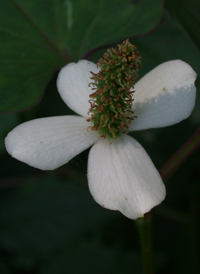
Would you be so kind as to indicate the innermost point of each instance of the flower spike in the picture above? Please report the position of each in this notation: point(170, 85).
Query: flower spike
point(110, 110)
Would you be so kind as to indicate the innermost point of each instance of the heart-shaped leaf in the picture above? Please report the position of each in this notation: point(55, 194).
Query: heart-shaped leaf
point(39, 37)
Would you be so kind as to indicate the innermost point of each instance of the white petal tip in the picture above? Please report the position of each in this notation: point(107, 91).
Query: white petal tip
point(49, 143)
point(164, 96)
point(122, 177)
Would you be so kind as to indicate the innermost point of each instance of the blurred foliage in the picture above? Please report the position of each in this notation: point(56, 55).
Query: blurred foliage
point(7, 122)
point(187, 13)
point(49, 221)
point(54, 223)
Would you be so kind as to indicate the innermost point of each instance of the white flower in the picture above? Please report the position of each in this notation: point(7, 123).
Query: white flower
point(121, 175)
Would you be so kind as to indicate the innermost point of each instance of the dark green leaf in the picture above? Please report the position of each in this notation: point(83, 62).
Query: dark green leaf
point(107, 22)
point(188, 14)
point(37, 36)
point(28, 56)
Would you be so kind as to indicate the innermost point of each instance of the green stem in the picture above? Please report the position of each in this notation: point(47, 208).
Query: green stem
point(145, 232)
point(180, 156)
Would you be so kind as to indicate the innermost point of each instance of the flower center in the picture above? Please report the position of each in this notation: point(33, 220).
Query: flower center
point(110, 104)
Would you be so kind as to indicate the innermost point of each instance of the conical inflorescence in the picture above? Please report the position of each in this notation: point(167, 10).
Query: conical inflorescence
point(110, 104)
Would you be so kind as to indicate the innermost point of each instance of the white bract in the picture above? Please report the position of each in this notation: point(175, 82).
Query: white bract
point(121, 175)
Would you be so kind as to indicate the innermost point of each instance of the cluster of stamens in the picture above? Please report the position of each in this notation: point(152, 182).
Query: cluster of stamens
point(110, 104)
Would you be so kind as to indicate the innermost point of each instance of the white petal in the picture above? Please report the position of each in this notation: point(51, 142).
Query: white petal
point(48, 143)
point(122, 177)
point(164, 96)
point(72, 83)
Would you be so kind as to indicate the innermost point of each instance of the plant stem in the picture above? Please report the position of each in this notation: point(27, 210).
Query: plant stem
point(180, 156)
point(145, 233)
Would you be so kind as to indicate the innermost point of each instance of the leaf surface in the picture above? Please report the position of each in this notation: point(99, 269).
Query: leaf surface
point(39, 37)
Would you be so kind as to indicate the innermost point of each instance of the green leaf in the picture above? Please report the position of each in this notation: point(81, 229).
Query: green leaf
point(187, 12)
point(108, 22)
point(28, 58)
point(37, 38)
